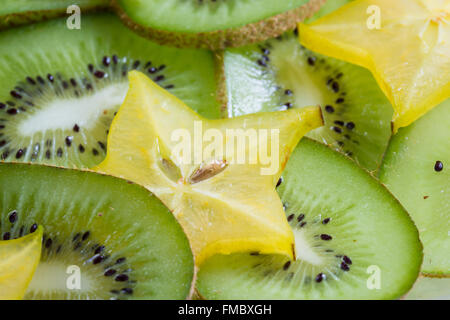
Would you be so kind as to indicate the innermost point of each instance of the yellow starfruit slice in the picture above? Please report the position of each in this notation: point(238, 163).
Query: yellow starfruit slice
point(218, 177)
point(405, 43)
point(19, 259)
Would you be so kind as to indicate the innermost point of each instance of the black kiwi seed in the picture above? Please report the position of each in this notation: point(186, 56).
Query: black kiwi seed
point(81, 148)
point(6, 236)
point(76, 237)
point(336, 129)
point(326, 220)
point(69, 141)
point(126, 291)
point(136, 64)
point(12, 216)
point(121, 277)
point(339, 122)
point(286, 265)
point(85, 235)
point(99, 74)
point(302, 224)
point(311, 61)
point(48, 154)
point(106, 61)
point(340, 100)
point(300, 217)
point(335, 87)
point(290, 217)
point(280, 181)
point(320, 277)
point(350, 125)
point(99, 249)
point(288, 92)
point(97, 259)
point(120, 260)
point(12, 111)
point(19, 153)
point(345, 266)
point(33, 228)
point(109, 272)
point(325, 237)
point(347, 260)
point(15, 94)
point(30, 80)
point(262, 63)
point(438, 166)
point(59, 152)
point(76, 128)
point(329, 109)
point(50, 78)
point(95, 152)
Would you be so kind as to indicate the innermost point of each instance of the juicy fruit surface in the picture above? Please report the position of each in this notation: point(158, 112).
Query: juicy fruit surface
point(409, 55)
point(278, 74)
point(19, 259)
point(202, 16)
point(224, 204)
point(348, 229)
point(121, 239)
point(60, 88)
point(430, 289)
point(411, 172)
point(18, 6)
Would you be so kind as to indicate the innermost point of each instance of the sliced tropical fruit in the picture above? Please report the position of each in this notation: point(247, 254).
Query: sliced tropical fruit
point(353, 239)
point(405, 43)
point(213, 24)
point(17, 12)
point(430, 289)
point(416, 170)
point(19, 259)
point(279, 73)
point(104, 238)
point(219, 186)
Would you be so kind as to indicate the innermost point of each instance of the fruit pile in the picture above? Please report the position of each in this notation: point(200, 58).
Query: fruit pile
point(351, 201)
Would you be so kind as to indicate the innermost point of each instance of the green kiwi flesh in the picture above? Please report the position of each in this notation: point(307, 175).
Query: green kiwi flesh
point(213, 24)
point(328, 7)
point(17, 12)
point(279, 74)
point(349, 232)
point(416, 170)
point(430, 289)
point(125, 242)
point(60, 88)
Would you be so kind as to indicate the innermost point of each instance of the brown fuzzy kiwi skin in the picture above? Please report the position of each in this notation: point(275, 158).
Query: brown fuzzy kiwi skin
point(228, 38)
point(28, 17)
point(221, 92)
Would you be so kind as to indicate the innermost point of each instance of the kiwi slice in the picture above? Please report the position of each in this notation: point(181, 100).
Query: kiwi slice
point(60, 88)
point(213, 24)
point(280, 74)
point(17, 12)
point(118, 237)
point(416, 170)
point(353, 239)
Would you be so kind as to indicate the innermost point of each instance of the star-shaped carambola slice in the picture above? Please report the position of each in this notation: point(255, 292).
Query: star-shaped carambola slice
point(221, 190)
point(405, 43)
point(19, 259)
